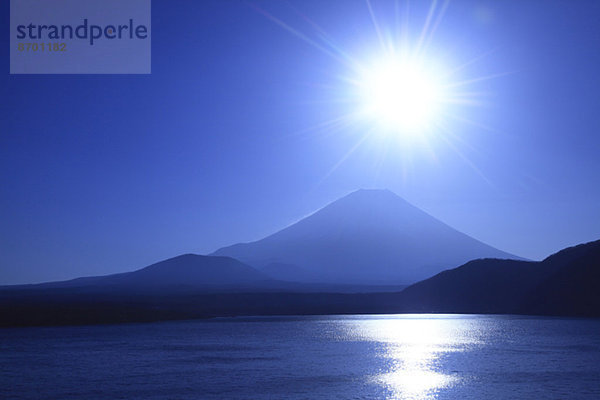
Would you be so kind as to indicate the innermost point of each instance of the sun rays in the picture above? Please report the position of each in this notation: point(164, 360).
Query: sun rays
point(401, 94)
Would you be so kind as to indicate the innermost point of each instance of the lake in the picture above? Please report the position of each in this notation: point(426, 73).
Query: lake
point(325, 357)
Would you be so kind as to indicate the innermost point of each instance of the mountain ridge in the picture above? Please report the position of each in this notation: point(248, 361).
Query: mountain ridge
point(564, 283)
point(191, 270)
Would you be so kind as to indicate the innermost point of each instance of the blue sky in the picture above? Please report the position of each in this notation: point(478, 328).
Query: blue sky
point(107, 173)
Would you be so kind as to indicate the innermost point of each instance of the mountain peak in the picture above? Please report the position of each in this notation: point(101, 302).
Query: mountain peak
point(371, 194)
point(373, 191)
point(366, 203)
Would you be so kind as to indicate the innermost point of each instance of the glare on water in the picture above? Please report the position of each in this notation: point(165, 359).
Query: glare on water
point(442, 357)
point(413, 345)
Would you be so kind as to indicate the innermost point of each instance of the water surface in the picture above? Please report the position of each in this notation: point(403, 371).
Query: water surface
point(329, 357)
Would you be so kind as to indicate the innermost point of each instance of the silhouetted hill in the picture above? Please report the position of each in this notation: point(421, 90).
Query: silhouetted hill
point(188, 270)
point(368, 236)
point(190, 273)
point(565, 283)
point(479, 286)
point(574, 285)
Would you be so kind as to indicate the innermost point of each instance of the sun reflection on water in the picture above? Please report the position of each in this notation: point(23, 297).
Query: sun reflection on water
point(414, 345)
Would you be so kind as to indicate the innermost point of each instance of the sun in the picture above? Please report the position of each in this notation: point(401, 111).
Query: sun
point(398, 91)
point(402, 96)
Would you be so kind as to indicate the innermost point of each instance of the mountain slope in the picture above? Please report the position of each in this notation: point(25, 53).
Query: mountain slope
point(188, 270)
point(479, 286)
point(565, 283)
point(572, 285)
point(368, 236)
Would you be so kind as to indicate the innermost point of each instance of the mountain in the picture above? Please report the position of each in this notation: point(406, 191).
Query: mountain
point(367, 237)
point(183, 287)
point(565, 283)
point(571, 286)
point(192, 273)
point(184, 271)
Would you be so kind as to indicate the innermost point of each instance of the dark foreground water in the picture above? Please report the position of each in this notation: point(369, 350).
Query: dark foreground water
point(333, 357)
